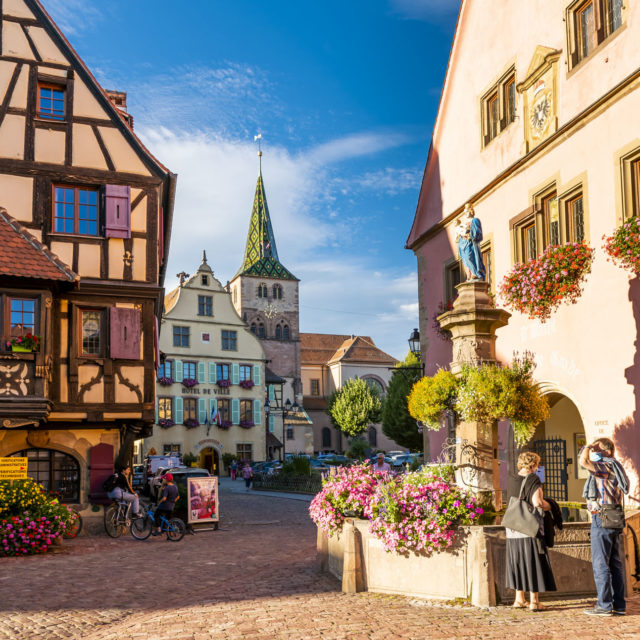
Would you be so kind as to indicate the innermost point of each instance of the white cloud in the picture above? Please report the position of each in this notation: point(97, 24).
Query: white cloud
point(340, 293)
point(73, 16)
point(426, 10)
point(355, 146)
point(389, 180)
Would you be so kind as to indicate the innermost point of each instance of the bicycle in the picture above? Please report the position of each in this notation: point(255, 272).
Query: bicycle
point(117, 519)
point(173, 527)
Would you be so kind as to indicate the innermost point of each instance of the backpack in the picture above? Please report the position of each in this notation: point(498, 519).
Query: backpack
point(110, 483)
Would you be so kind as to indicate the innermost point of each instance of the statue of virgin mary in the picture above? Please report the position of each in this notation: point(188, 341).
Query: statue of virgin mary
point(469, 236)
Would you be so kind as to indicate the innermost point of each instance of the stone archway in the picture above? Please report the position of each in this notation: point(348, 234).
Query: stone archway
point(209, 459)
point(558, 441)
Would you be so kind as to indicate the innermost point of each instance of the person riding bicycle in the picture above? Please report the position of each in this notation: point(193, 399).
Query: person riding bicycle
point(124, 491)
point(166, 503)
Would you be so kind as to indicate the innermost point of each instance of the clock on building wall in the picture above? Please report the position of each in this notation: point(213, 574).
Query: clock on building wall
point(271, 311)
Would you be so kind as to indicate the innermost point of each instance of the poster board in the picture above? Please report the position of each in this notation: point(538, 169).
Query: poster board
point(202, 494)
point(13, 468)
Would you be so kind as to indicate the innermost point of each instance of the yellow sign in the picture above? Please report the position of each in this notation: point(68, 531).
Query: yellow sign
point(13, 468)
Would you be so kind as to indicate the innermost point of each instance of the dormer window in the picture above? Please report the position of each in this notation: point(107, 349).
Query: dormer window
point(204, 280)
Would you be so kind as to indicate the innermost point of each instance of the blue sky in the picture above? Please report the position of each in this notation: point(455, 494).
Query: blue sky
point(344, 94)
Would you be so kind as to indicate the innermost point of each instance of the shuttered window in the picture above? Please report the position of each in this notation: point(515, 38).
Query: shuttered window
point(124, 333)
point(117, 211)
point(75, 210)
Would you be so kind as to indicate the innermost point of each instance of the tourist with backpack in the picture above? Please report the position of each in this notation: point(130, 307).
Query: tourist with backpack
point(118, 487)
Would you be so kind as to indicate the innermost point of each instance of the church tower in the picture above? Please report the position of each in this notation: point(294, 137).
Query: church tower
point(265, 294)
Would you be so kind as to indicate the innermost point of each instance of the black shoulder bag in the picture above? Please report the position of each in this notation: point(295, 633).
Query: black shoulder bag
point(521, 516)
point(611, 515)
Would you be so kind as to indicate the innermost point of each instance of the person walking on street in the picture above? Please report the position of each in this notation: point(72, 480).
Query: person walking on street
point(604, 490)
point(381, 466)
point(247, 474)
point(528, 567)
point(124, 491)
point(234, 469)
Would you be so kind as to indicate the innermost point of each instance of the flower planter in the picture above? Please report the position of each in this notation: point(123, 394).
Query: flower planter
point(18, 349)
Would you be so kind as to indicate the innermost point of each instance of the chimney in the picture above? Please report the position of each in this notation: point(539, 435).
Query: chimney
point(119, 101)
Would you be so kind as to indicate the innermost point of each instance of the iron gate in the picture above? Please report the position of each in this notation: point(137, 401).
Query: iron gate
point(553, 456)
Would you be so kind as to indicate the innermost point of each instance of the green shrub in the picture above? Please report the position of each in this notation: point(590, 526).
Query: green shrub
point(431, 396)
point(297, 465)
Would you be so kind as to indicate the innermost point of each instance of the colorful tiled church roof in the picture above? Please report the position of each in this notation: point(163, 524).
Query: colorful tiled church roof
point(260, 254)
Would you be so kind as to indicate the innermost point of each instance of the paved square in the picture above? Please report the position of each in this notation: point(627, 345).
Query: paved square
point(257, 577)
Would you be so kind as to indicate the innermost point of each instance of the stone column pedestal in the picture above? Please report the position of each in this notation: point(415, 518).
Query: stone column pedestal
point(473, 323)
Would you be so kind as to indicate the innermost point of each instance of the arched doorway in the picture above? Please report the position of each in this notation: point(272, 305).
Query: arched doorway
point(558, 441)
point(209, 459)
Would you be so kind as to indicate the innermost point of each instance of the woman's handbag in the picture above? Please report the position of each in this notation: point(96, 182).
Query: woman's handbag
point(521, 516)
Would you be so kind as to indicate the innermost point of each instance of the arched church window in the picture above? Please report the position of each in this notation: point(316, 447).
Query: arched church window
point(326, 438)
point(261, 330)
point(285, 332)
point(277, 292)
point(278, 332)
point(253, 328)
point(262, 290)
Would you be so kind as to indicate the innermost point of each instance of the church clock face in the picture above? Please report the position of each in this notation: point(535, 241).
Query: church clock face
point(540, 115)
point(271, 311)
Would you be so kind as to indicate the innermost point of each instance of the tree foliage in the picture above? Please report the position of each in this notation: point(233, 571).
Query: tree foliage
point(431, 396)
point(354, 407)
point(397, 422)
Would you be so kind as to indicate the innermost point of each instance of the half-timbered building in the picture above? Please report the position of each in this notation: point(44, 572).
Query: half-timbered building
point(85, 217)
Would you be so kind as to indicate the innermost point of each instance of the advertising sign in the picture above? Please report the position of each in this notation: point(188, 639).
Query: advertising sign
point(13, 468)
point(202, 494)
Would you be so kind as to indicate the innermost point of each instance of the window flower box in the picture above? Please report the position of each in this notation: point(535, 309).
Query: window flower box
point(247, 384)
point(191, 423)
point(247, 424)
point(165, 381)
point(538, 287)
point(189, 382)
point(224, 383)
point(224, 424)
point(623, 246)
point(24, 344)
point(165, 423)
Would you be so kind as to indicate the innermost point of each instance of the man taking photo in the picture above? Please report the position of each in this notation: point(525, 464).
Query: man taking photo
point(603, 490)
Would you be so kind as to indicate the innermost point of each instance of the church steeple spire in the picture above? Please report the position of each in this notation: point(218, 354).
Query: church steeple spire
point(260, 254)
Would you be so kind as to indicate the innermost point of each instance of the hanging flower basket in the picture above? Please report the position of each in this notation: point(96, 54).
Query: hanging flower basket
point(247, 384)
point(247, 424)
point(442, 307)
point(191, 423)
point(623, 246)
point(224, 383)
point(24, 344)
point(189, 382)
point(225, 424)
point(165, 381)
point(538, 287)
point(165, 423)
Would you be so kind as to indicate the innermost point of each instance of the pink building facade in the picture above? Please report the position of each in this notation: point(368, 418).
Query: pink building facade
point(538, 127)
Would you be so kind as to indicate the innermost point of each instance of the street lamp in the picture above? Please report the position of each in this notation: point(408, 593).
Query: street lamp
point(414, 343)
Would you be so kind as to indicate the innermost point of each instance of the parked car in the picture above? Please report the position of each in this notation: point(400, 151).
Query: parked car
point(153, 463)
point(336, 460)
point(180, 476)
point(374, 459)
point(406, 458)
point(137, 479)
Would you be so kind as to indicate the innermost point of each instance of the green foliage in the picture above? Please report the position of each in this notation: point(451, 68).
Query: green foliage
point(358, 448)
point(490, 392)
point(188, 459)
point(297, 465)
point(397, 422)
point(355, 407)
point(431, 396)
point(227, 459)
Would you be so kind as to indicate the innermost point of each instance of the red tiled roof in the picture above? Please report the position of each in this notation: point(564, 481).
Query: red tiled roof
point(317, 348)
point(322, 348)
point(361, 349)
point(23, 256)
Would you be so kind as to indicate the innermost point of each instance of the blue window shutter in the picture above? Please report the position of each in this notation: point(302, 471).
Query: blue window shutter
point(202, 372)
point(202, 410)
point(272, 393)
point(212, 373)
point(257, 412)
point(272, 423)
point(235, 373)
point(213, 409)
point(256, 374)
point(157, 409)
point(178, 367)
point(179, 411)
point(167, 368)
point(235, 410)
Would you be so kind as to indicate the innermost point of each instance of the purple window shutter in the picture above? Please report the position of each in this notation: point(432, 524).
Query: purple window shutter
point(100, 468)
point(117, 211)
point(124, 333)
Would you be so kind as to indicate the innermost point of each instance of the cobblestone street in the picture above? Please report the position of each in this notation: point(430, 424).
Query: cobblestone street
point(254, 578)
